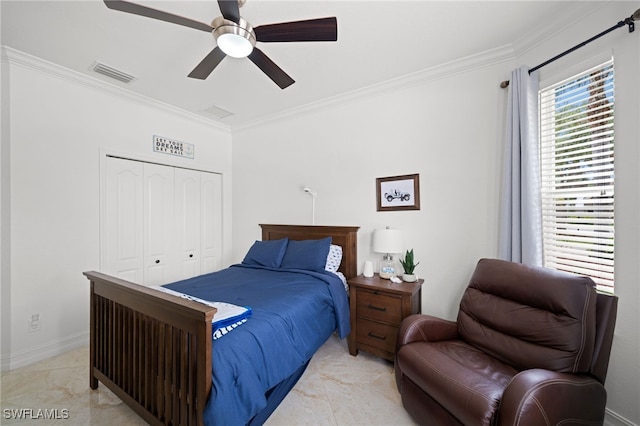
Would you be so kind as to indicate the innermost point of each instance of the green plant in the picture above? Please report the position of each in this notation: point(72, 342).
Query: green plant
point(407, 263)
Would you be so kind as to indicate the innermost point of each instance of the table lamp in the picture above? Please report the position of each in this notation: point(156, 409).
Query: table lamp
point(388, 241)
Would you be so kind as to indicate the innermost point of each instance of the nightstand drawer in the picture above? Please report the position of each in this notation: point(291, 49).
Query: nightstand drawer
point(377, 335)
point(379, 306)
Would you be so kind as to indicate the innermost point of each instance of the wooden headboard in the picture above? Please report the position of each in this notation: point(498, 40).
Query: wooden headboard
point(344, 236)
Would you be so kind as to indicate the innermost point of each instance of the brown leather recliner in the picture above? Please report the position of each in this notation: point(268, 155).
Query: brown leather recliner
point(530, 347)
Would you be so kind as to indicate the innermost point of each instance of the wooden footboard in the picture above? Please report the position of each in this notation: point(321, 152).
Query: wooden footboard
point(151, 349)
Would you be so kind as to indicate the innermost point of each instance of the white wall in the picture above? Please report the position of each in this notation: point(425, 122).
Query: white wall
point(60, 123)
point(449, 130)
point(444, 129)
point(5, 294)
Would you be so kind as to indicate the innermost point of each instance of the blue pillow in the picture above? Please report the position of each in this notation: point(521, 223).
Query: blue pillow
point(307, 254)
point(266, 253)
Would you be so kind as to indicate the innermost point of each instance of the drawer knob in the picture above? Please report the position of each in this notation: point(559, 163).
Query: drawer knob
point(375, 336)
point(376, 308)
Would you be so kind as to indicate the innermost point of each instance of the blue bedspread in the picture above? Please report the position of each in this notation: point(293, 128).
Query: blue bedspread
point(294, 313)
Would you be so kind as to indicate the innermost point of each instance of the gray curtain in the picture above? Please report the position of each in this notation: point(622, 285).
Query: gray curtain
point(520, 232)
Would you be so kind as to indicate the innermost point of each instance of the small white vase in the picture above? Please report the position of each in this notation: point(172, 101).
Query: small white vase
point(409, 278)
point(368, 269)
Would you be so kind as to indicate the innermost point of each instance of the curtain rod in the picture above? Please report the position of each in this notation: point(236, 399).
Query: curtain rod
point(628, 21)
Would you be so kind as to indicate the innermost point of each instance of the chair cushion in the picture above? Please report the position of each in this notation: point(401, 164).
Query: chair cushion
point(465, 381)
point(530, 317)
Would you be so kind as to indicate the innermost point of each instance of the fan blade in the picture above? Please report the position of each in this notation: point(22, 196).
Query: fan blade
point(230, 10)
point(137, 9)
point(273, 71)
point(208, 64)
point(323, 29)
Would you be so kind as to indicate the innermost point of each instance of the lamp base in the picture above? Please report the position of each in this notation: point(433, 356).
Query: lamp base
point(388, 267)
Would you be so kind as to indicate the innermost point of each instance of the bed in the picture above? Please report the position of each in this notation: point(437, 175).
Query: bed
point(154, 349)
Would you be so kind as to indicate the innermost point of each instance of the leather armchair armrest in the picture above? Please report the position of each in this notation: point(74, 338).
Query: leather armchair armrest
point(546, 397)
point(425, 328)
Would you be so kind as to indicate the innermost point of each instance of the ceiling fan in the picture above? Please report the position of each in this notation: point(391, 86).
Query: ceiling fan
point(237, 38)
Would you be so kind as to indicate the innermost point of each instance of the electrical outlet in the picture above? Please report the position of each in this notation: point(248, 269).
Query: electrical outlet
point(34, 323)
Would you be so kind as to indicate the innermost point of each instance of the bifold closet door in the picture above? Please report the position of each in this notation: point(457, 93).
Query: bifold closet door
point(159, 264)
point(123, 235)
point(211, 222)
point(162, 223)
point(187, 220)
point(198, 217)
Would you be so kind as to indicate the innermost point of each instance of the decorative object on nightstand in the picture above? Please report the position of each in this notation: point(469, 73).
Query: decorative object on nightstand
point(409, 266)
point(388, 241)
point(378, 306)
point(368, 269)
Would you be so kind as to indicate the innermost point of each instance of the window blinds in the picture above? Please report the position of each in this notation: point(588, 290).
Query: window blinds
point(577, 173)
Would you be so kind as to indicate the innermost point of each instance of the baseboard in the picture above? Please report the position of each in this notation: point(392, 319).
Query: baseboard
point(612, 418)
point(39, 353)
point(4, 363)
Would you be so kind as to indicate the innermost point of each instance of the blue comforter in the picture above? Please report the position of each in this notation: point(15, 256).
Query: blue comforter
point(294, 313)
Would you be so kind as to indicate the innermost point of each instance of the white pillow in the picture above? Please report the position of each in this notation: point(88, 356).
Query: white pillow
point(334, 258)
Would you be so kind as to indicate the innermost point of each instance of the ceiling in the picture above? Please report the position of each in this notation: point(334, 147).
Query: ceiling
point(378, 41)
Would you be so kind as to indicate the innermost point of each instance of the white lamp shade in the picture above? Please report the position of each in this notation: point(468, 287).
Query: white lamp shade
point(387, 241)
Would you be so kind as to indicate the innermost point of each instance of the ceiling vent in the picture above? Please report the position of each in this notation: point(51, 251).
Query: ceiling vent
point(217, 112)
point(111, 72)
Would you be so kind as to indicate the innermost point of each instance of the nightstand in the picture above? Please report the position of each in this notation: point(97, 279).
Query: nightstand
point(378, 306)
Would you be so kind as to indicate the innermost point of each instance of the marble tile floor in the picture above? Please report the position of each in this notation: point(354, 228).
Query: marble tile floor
point(336, 389)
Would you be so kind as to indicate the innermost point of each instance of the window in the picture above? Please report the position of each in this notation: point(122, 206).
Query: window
point(577, 173)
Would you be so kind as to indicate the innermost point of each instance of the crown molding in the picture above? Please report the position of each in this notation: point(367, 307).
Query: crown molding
point(571, 13)
point(24, 60)
point(445, 70)
point(459, 66)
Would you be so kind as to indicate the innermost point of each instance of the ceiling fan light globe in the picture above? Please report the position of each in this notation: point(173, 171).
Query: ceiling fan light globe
point(234, 39)
point(235, 45)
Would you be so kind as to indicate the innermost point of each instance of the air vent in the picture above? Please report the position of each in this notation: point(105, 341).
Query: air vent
point(217, 112)
point(111, 72)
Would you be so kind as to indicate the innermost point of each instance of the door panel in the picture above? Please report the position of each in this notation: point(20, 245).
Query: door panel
point(187, 211)
point(211, 220)
point(158, 225)
point(123, 222)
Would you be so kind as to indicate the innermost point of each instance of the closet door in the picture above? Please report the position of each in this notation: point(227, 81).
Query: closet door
point(211, 222)
point(159, 267)
point(187, 222)
point(123, 219)
point(162, 224)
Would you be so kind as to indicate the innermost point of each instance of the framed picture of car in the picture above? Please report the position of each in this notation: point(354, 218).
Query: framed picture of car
point(398, 193)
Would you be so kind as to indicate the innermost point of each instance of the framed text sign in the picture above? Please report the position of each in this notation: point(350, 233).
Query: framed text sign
point(173, 147)
point(398, 193)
